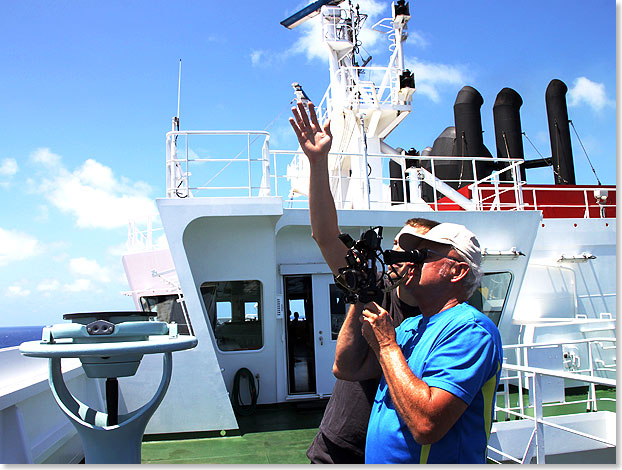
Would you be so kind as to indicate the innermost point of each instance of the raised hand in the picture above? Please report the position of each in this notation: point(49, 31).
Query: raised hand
point(314, 140)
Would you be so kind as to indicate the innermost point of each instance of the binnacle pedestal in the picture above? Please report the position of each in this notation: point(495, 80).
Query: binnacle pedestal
point(109, 345)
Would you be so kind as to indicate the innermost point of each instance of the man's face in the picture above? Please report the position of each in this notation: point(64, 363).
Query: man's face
point(435, 269)
point(399, 269)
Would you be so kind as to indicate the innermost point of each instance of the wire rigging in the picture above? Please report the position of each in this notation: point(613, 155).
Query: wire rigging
point(251, 143)
point(541, 156)
point(534, 147)
point(584, 151)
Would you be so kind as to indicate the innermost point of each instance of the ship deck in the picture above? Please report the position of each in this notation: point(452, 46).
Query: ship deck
point(281, 434)
point(273, 434)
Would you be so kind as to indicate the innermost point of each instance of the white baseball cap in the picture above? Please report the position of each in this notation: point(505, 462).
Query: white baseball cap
point(457, 236)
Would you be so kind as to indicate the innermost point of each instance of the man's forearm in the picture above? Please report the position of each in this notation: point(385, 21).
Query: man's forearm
point(323, 215)
point(410, 395)
point(428, 412)
point(353, 358)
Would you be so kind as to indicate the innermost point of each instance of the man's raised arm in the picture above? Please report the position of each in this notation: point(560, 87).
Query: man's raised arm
point(315, 142)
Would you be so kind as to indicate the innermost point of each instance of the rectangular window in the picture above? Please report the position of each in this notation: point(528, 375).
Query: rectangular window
point(490, 296)
point(234, 313)
point(168, 308)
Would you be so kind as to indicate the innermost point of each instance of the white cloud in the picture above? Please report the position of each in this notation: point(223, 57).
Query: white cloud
point(89, 268)
point(8, 167)
point(95, 196)
point(118, 250)
point(48, 285)
point(256, 57)
point(17, 291)
point(431, 77)
point(585, 91)
point(417, 39)
point(79, 285)
point(45, 157)
point(16, 246)
point(161, 242)
point(310, 42)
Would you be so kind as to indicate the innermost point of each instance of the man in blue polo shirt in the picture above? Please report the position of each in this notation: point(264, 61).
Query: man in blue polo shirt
point(441, 369)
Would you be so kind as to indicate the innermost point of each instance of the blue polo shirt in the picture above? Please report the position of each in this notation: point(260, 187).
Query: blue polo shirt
point(458, 350)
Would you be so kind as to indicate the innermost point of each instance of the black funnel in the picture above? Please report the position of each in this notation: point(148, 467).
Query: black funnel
point(508, 132)
point(469, 138)
point(445, 144)
point(559, 132)
point(469, 142)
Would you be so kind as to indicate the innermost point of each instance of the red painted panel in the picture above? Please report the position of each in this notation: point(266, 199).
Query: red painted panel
point(555, 202)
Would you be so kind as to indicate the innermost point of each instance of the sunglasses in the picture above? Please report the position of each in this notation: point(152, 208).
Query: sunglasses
point(415, 256)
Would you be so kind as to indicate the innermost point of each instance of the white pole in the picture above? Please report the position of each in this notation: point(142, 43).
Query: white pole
point(179, 89)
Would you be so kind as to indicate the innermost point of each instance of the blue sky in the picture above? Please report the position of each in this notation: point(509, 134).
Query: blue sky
point(88, 90)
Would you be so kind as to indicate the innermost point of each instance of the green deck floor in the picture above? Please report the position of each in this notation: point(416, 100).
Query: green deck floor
point(275, 434)
point(279, 434)
point(274, 447)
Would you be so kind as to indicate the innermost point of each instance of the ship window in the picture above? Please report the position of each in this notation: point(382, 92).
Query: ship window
point(234, 313)
point(167, 308)
point(490, 296)
point(338, 310)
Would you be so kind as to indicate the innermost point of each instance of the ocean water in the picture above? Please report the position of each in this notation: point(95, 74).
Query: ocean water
point(16, 335)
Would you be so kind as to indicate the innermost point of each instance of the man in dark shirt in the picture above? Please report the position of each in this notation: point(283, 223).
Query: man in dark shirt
point(342, 432)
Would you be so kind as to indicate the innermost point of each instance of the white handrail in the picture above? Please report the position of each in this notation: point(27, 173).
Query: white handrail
point(561, 375)
point(266, 174)
point(536, 444)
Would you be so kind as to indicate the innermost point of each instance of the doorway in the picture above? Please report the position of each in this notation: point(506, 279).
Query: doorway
point(299, 334)
point(315, 311)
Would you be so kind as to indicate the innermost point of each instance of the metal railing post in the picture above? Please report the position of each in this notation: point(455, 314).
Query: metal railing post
point(248, 156)
point(518, 185)
point(187, 175)
point(591, 404)
point(276, 179)
point(538, 414)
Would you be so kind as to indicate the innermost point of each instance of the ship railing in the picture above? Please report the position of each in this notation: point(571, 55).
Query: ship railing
point(536, 444)
point(419, 188)
point(587, 201)
point(244, 174)
point(566, 354)
point(358, 87)
point(594, 200)
point(139, 239)
point(197, 166)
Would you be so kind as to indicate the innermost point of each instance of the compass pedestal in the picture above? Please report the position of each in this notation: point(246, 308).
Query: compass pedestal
point(109, 346)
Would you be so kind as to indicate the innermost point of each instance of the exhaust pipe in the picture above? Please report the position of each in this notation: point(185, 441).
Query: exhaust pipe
point(469, 138)
point(559, 132)
point(508, 132)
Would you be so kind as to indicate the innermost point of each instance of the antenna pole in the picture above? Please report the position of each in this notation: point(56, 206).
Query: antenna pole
point(179, 89)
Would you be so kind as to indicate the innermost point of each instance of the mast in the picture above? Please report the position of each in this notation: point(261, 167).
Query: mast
point(365, 103)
